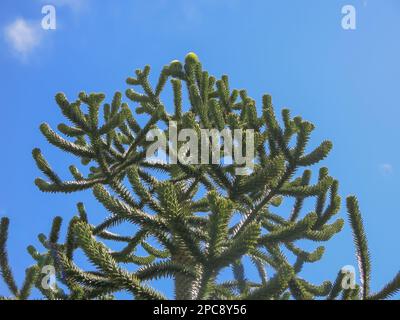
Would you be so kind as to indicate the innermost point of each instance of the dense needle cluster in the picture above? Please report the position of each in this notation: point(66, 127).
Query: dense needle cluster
point(199, 219)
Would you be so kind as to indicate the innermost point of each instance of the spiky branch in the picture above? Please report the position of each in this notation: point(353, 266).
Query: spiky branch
point(167, 216)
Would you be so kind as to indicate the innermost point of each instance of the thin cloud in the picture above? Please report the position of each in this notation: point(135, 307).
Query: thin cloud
point(23, 36)
point(386, 169)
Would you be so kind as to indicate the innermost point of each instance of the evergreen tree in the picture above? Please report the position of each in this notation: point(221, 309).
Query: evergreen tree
point(200, 218)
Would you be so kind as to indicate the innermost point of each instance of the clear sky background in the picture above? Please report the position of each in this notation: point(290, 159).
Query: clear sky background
point(344, 81)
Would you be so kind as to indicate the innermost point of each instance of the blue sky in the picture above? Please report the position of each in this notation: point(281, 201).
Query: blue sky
point(344, 81)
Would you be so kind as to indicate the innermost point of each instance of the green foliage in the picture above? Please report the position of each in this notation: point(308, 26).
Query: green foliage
point(188, 235)
point(360, 241)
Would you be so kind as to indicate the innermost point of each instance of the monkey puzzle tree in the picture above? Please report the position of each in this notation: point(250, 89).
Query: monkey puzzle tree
point(193, 220)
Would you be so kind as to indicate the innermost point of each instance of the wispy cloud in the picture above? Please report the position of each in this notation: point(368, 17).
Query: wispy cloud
point(386, 169)
point(23, 36)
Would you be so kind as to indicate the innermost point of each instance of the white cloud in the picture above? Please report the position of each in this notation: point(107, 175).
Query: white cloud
point(23, 36)
point(386, 169)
